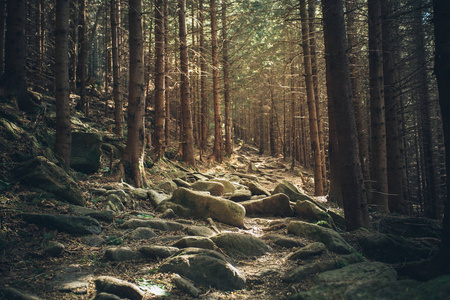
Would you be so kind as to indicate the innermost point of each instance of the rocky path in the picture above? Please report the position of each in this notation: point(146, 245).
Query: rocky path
point(244, 230)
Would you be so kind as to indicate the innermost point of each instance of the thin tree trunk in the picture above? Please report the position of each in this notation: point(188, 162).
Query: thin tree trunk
point(74, 41)
point(186, 117)
point(2, 35)
point(166, 72)
point(293, 110)
point(63, 138)
point(117, 95)
point(273, 148)
point(134, 152)
point(226, 84)
point(377, 110)
point(340, 94)
point(159, 80)
point(82, 57)
point(203, 96)
point(313, 127)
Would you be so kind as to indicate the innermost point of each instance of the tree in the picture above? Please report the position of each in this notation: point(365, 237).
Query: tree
point(63, 139)
point(187, 137)
point(377, 110)
point(204, 99)
point(159, 80)
point(217, 151)
point(134, 151)
point(312, 111)
point(442, 69)
point(340, 94)
point(82, 57)
point(117, 95)
point(166, 72)
point(2, 35)
point(226, 84)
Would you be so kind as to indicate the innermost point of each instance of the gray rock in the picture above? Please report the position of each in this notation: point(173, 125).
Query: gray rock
point(86, 152)
point(329, 237)
point(228, 186)
point(141, 194)
point(276, 205)
point(240, 245)
point(181, 183)
point(142, 233)
point(40, 173)
point(154, 224)
point(122, 254)
point(309, 250)
point(200, 231)
point(106, 296)
point(93, 240)
point(168, 214)
point(311, 212)
point(54, 248)
point(283, 241)
point(205, 267)
point(156, 198)
point(9, 293)
point(114, 203)
point(291, 191)
point(101, 215)
point(121, 288)
point(155, 251)
point(214, 188)
point(188, 203)
point(256, 189)
point(437, 288)
point(71, 280)
point(360, 271)
point(194, 241)
point(241, 195)
point(66, 223)
point(246, 176)
point(168, 186)
point(185, 286)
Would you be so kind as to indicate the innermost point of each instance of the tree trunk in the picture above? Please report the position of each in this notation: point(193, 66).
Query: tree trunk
point(63, 139)
point(159, 80)
point(273, 148)
point(82, 57)
point(340, 94)
point(166, 72)
point(217, 151)
point(226, 84)
point(203, 96)
point(134, 152)
point(377, 110)
point(442, 69)
point(394, 167)
point(186, 117)
point(313, 127)
point(2, 35)
point(293, 110)
point(117, 96)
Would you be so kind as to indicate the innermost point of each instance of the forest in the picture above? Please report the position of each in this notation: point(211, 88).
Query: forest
point(224, 149)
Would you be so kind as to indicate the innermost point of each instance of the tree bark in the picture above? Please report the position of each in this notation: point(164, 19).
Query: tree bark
point(166, 72)
point(313, 126)
point(203, 96)
point(226, 84)
point(377, 110)
point(117, 95)
point(2, 35)
point(159, 80)
point(134, 152)
point(186, 116)
point(63, 139)
point(82, 57)
point(340, 94)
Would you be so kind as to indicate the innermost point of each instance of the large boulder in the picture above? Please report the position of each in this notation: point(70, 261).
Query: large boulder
point(189, 203)
point(40, 173)
point(66, 223)
point(276, 205)
point(86, 152)
point(311, 212)
point(329, 237)
point(229, 188)
point(205, 267)
point(215, 188)
point(118, 287)
point(256, 189)
point(240, 245)
point(122, 254)
point(291, 191)
point(309, 250)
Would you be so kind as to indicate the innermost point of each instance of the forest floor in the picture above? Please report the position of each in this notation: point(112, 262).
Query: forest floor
point(25, 266)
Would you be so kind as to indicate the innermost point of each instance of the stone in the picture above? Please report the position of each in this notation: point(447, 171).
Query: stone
point(93, 240)
point(154, 224)
point(106, 296)
point(228, 186)
point(168, 186)
point(200, 231)
point(291, 191)
point(155, 197)
point(66, 223)
point(181, 183)
point(195, 241)
point(359, 271)
point(9, 293)
point(283, 241)
point(121, 288)
point(140, 194)
point(329, 237)
point(241, 195)
point(86, 152)
point(205, 267)
point(101, 215)
point(185, 286)
point(407, 226)
point(256, 189)
point(168, 214)
point(155, 251)
point(142, 233)
point(437, 288)
point(240, 245)
point(40, 173)
point(54, 248)
point(311, 212)
point(114, 203)
point(71, 279)
point(309, 250)
point(246, 176)
point(276, 205)
point(214, 188)
point(199, 205)
point(122, 254)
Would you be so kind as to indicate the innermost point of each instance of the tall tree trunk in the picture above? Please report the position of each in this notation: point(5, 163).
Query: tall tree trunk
point(394, 167)
point(377, 110)
point(313, 127)
point(293, 111)
point(226, 84)
point(134, 152)
point(340, 93)
point(74, 48)
point(186, 117)
point(442, 69)
point(159, 80)
point(2, 35)
point(166, 72)
point(117, 95)
point(273, 148)
point(63, 138)
point(203, 96)
point(82, 57)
